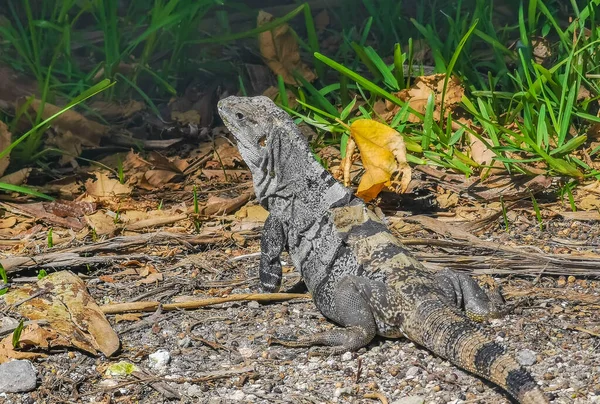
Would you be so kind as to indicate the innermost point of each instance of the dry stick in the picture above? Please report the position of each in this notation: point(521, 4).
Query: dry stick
point(195, 304)
point(70, 257)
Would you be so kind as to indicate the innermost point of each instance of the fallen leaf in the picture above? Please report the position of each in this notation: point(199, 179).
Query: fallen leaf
point(16, 178)
point(156, 178)
point(419, 93)
point(590, 202)
point(32, 335)
point(104, 187)
point(64, 208)
point(281, 52)
point(227, 155)
point(115, 110)
point(5, 140)
point(72, 130)
point(447, 200)
point(101, 223)
point(40, 212)
point(321, 20)
point(254, 213)
point(128, 317)
point(480, 153)
point(187, 117)
point(383, 154)
point(7, 222)
point(217, 205)
point(74, 319)
point(151, 278)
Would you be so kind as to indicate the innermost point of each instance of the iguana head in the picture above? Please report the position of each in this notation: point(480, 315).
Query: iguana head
point(268, 140)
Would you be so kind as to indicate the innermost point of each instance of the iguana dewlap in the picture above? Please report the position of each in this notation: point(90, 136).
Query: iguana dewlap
point(359, 274)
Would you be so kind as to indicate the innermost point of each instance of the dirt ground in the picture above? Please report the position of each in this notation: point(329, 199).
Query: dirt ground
point(220, 354)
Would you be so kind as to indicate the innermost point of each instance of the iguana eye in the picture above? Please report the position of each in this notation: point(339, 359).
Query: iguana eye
point(239, 115)
point(262, 142)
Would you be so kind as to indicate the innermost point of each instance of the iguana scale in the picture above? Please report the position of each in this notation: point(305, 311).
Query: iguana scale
point(359, 274)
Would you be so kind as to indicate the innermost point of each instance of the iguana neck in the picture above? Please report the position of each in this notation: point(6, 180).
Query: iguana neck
point(305, 187)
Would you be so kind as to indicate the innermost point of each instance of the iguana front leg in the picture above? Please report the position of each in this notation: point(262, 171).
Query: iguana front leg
point(464, 292)
point(272, 243)
point(354, 314)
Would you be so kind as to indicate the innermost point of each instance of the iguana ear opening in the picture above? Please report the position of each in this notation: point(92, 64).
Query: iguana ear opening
point(262, 142)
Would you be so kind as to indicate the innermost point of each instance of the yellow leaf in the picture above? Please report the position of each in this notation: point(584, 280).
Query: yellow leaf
point(383, 154)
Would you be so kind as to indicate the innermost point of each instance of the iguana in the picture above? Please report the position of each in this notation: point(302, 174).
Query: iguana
point(359, 275)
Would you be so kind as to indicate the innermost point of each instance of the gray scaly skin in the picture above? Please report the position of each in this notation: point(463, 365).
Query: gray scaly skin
point(359, 274)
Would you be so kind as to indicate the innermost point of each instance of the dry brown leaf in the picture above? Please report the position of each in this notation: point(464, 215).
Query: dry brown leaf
point(167, 163)
point(156, 178)
point(5, 140)
point(73, 130)
point(480, 152)
point(281, 52)
point(273, 92)
point(227, 155)
point(448, 200)
point(254, 213)
point(102, 223)
point(321, 20)
point(128, 317)
point(187, 117)
point(383, 153)
point(74, 318)
point(7, 222)
point(589, 202)
point(31, 332)
point(104, 187)
point(151, 278)
point(424, 86)
point(115, 110)
point(217, 205)
point(16, 178)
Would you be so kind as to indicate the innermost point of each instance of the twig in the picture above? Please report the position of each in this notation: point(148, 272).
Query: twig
point(195, 304)
point(377, 396)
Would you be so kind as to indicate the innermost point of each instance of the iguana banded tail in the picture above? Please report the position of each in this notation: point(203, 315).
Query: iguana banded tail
point(359, 274)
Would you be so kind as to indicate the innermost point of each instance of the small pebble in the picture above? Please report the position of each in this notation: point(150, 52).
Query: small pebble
point(237, 396)
point(195, 391)
point(410, 400)
point(347, 356)
point(413, 371)
point(526, 357)
point(159, 359)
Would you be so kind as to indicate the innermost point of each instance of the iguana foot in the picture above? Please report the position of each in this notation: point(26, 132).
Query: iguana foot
point(465, 293)
point(353, 312)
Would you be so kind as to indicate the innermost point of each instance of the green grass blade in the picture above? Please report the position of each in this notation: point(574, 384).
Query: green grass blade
point(24, 190)
point(372, 87)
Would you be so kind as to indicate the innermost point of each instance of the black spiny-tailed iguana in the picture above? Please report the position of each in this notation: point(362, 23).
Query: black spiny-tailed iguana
point(359, 274)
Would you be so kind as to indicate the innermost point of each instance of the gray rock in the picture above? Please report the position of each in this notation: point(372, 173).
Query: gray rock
point(410, 400)
point(413, 371)
point(159, 359)
point(17, 377)
point(526, 357)
point(195, 391)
